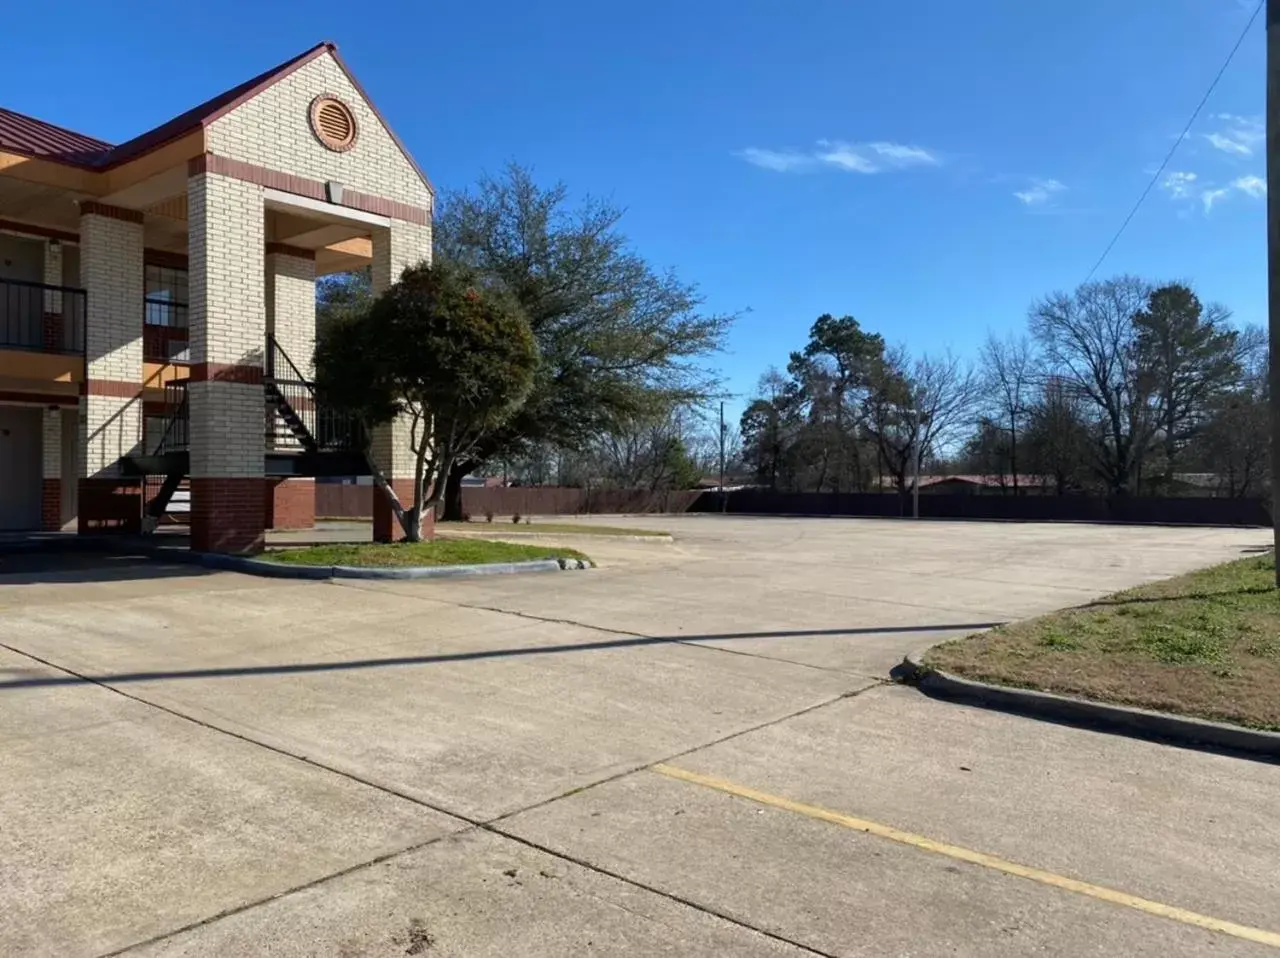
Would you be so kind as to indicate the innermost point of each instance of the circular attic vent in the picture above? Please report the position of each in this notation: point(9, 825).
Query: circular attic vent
point(333, 123)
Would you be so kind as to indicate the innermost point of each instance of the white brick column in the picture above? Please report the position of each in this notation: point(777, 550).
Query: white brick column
point(54, 333)
point(111, 405)
point(291, 319)
point(226, 275)
point(402, 244)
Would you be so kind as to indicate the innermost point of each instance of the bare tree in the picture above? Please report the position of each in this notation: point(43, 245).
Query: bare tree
point(1007, 380)
point(929, 402)
point(1091, 347)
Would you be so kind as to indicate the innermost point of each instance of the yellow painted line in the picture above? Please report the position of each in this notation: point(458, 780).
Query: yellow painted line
point(1259, 935)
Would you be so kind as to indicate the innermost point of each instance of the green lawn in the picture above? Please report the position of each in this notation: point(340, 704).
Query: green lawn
point(439, 552)
point(506, 527)
point(1205, 644)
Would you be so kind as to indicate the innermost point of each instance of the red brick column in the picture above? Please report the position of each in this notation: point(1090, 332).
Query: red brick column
point(53, 332)
point(51, 505)
point(227, 514)
point(108, 505)
point(290, 503)
point(385, 526)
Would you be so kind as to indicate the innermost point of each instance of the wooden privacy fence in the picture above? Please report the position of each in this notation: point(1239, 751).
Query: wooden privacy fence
point(335, 501)
point(352, 502)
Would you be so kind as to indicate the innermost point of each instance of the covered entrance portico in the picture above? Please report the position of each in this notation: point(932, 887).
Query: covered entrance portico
point(198, 248)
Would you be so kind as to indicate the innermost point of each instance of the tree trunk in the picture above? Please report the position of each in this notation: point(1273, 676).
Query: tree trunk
point(453, 492)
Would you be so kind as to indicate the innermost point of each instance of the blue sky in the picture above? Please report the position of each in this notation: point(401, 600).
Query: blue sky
point(929, 167)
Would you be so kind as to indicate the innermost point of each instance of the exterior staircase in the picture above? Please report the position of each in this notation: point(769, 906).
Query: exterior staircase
point(303, 437)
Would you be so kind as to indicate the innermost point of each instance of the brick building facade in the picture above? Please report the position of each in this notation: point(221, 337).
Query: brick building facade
point(163, 322)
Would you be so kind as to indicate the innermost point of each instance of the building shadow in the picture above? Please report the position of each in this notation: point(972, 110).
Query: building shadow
point(60, 559)
point(625, 642)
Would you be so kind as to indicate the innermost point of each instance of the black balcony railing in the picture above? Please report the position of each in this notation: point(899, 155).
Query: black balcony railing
point(177, 419)
point(41, 317)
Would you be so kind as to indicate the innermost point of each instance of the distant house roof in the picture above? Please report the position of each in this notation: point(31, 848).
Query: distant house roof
point(28, 136)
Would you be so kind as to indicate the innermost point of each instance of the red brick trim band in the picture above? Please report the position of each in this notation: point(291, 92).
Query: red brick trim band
point(302, 186)
point(162, 257)
point(110, 387)
point(226, 373)
point(42, 399)
point(94, 208)
point(32, 229)
point(283, 249)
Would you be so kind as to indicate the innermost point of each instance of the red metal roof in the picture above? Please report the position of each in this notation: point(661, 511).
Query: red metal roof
point(210, 110)
point(31, 137)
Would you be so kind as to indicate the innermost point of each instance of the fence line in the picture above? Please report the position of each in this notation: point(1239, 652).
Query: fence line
point(335, 501)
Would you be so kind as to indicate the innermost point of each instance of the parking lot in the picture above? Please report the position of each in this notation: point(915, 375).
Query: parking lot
point(691, 750)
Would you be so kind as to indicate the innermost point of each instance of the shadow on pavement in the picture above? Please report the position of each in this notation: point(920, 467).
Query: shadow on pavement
point(619, 643)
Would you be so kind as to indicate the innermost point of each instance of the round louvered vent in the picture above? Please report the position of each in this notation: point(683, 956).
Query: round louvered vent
point(333, 123)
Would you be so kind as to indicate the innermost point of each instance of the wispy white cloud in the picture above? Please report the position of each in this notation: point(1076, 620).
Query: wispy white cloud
point(1254, 186)
point(1186, 186)
point(1179, 185)
point(1209, 197)
point(1040, 192)
point(1238, 136)
point(781, 161)
point(877, 157)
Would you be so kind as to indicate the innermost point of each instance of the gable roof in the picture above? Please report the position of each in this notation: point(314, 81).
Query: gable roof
point(28, 136)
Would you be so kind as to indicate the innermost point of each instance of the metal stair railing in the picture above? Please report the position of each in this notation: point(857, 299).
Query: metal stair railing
point(291, 401)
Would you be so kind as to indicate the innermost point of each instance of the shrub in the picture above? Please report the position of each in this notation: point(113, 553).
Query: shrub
point(488, 515)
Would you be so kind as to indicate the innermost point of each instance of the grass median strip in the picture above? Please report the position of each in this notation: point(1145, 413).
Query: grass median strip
point(439, 552)
point(1206, 644)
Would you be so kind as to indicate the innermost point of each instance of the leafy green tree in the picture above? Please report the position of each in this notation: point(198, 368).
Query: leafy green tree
point(451, 355)
point(618, 339)
point(833, 375)
point(1192, 357)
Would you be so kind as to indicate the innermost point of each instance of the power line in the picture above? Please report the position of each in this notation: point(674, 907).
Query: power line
point(1178, 142)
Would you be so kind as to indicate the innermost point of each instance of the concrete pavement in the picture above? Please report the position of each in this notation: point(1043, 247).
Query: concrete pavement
point(467, 768)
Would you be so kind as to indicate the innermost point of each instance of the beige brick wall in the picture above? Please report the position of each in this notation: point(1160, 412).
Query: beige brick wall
point(53, 277)
point(228, 318)
point(111, 273)
point(291, 307)
point(404, 244)
point(110, 428)
point(51, 450)
point(225, 241)
point(227, 429)
point(274, 130)
point(291, 318)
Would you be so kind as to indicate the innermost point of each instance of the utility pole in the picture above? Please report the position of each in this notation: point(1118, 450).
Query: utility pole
point(724, 502)
point(1273, 257)
point(915, 484)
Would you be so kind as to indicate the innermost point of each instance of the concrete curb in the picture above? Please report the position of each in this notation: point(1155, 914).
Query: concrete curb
point(278, 570)
point(1138, 723)
point(550, 536)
